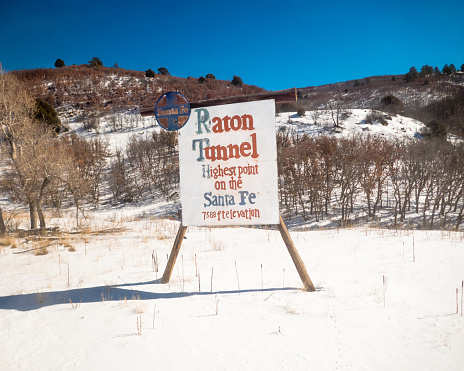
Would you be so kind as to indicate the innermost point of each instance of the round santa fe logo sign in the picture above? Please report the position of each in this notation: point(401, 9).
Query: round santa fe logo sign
point(172, 111)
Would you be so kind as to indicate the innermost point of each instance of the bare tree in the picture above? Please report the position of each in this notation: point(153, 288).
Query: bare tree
point(30, 149)
point(336, 108)
point(89, 158)
point(315, 114)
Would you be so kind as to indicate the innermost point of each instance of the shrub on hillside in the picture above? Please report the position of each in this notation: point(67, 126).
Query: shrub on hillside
point(46, 114)
point(376, 117)
point(391, 100)
point(150, 73)
point(391, 104)
point(435, 129)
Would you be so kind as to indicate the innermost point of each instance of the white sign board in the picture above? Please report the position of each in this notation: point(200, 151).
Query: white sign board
point(228, 165)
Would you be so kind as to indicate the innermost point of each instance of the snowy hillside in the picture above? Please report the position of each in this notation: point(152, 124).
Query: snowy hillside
point(352, 122)
point(314, 123)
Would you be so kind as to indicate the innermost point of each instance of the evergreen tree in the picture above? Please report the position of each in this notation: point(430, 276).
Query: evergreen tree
point(237, 81)
point(59, 63)
point(164, 71)
point(446, 70)
point(212, 77)
point(95, 62)
point(426, 71)
point(412, 74)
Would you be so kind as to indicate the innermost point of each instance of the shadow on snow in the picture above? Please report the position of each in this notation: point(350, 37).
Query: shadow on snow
point(34, 301)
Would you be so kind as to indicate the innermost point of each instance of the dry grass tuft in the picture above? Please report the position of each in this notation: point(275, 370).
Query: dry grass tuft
point(7, 240)
point(41, 247)
point(162, 236)
point(217, 245)
point(66, 242)
point(139, 306)
point(41, 251)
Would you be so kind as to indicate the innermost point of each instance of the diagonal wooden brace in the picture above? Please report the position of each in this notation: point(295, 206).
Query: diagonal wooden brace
point(174, 252)
point(300, 267)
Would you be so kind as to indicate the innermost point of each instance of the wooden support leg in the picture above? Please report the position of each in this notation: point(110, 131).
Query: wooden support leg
point(174, 252)
point(300, 267)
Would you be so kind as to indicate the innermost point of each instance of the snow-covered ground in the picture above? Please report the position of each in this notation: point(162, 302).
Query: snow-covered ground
point(385, 299)
point(352, 122)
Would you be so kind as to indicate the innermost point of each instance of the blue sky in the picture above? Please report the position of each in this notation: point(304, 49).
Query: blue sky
point(271, 44)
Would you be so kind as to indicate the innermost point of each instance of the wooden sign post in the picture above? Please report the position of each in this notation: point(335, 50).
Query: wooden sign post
point(228, 169)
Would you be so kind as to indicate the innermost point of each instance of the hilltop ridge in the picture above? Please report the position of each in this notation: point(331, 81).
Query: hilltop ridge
point(96, 90)
point(85, 91)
